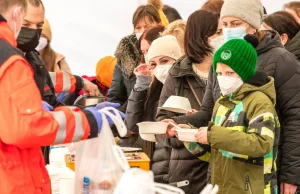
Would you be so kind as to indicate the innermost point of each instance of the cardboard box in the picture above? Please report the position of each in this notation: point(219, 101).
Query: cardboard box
point(70, 161)
point(138, 160)
point(135, 160)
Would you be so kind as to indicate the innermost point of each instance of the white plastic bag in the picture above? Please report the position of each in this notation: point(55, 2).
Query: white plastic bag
point(209, 189)
point(138, 181)
point(97, 168)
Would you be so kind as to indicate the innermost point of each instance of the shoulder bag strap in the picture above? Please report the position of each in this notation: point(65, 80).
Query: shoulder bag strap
point(194, 92)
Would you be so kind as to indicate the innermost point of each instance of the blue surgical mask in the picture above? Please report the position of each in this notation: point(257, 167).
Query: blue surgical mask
point(234, 33)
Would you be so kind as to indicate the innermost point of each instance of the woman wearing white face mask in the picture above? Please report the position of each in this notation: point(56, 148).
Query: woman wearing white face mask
point(52, 60)
point(215, 6)
point(128, 53)
point(188, 78)
point(242, 17)
point(143, 100)
point(146, 40)
point(190, 73)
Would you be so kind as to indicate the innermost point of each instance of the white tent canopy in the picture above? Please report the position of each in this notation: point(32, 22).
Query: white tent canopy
point(85, 31)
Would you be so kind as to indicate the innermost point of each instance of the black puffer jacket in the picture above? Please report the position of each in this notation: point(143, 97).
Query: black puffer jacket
point(135, 114)
point(183, 164)
point(294, 46)
point(128, 57)
point(285, 69)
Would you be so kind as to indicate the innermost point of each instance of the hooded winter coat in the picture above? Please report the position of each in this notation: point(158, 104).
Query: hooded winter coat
point(183, 164)
point(136, 113)
point(294, 46)
point(128, 58)
point(284, 67)
point(244, 139)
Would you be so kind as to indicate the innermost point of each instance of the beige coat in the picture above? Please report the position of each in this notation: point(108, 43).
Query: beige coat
point(61, 64)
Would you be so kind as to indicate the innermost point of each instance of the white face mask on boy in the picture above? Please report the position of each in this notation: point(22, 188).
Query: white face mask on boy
point(228, 85)
point(161, 72)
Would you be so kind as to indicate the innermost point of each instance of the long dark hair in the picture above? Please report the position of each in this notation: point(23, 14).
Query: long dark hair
point(284, 23)
point(200, 25)
point(171, 13)
point(153, 96)
point(150, 35)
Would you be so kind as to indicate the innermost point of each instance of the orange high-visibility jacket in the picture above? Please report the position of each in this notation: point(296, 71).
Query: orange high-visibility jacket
point(63, 81)
point(25, 126)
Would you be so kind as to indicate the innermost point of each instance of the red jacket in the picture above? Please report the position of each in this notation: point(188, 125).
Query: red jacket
point(25, 126)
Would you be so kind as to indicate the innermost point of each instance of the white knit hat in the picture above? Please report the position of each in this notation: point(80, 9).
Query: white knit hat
point(165, 46)
point(250, 11)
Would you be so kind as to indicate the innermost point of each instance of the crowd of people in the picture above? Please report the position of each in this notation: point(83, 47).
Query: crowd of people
point(237, 65)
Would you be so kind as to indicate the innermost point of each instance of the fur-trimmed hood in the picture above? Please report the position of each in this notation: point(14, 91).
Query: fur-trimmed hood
point(128, 55)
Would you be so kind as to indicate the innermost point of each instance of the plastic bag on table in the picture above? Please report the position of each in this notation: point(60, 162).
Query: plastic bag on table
point(209, 189)
point(138, 181)
point(97, 167)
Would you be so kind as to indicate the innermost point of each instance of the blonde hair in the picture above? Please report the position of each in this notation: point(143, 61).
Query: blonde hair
point(48, 56)
point(294, 5)
point(177, 29)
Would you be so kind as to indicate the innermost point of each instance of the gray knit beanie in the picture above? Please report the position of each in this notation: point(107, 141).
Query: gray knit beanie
point(250, 11)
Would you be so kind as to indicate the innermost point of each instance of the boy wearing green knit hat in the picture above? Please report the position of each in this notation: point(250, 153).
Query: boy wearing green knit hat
point(244, 132)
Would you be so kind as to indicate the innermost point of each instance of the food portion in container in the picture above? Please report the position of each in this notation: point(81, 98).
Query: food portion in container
point(177, 104)
point(152, 127)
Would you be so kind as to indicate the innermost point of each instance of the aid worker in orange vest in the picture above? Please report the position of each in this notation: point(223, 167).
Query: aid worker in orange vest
point(48, 83)
point(26, 123)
